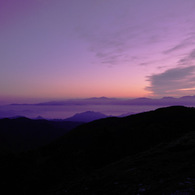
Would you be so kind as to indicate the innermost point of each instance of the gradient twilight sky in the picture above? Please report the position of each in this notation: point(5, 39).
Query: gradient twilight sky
point(55, 49)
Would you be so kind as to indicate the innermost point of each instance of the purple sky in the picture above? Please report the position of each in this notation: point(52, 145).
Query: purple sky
point(56, 49)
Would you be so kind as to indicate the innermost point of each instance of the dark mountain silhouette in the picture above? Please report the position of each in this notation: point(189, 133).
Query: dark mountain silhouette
point(21, 134)
point(39, 118)
point(168, 168)
point(87, 116)
point(146, 153)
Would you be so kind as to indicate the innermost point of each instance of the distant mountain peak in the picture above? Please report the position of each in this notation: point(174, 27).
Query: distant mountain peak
point(168, 98)
point(39, 117)
point(87, 116)
point(99, 98)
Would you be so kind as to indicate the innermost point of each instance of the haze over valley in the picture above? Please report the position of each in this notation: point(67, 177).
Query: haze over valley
point(108, 106)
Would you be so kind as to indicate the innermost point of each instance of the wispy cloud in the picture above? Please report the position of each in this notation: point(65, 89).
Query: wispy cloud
point(175, 81)
point(112, 47)
point(121, 46)
point(188, 41)
point(188, 59)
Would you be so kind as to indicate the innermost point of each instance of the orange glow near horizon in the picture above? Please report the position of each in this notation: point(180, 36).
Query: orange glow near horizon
point(122, 49)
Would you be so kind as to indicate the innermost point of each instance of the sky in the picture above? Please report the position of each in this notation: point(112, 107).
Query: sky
point(60, 49)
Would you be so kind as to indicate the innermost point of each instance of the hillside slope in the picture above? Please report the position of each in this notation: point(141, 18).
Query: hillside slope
point(148, 152)
point(22, 134)
point(167, 168)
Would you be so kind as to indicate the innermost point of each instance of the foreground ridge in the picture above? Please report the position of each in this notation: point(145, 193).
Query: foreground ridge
point(146, 153)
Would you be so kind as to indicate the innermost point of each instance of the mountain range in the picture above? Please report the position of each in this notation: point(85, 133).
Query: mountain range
point(87, 116)
point(146, 153)
point(165, 101)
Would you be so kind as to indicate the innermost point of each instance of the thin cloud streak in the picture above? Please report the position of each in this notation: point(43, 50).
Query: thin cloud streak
point(188, 41)
point(188, 59)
